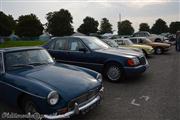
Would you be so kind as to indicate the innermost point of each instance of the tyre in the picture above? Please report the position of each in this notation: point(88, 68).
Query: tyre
point(114, 72)
point(28, 106)
point(157, 40)
point(158, 51)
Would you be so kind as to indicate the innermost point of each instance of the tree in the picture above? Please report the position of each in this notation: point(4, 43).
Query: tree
point(174, 27)
point(105, 26)
point(90, 25)
point(125, 28)
point(7, 24)
point(59, 23)
point(159, 27)
point(144, 27)
point(28, 26)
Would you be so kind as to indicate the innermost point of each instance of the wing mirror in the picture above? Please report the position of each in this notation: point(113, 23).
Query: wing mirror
point(83, 50)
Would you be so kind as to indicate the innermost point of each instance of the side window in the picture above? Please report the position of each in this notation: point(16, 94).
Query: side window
point(145, 34)
point(137, 34)
point(60, 44)
point(51, 45)
point(1, 63)
point(140, 41)
point(120, 42)
point(134, 41)
point(75, 45)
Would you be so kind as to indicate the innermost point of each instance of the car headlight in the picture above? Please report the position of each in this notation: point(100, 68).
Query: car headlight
point(133, 61)
point(99, 77)
point(53, 98)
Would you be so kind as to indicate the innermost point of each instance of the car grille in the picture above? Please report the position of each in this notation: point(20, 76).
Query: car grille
point(83, 99)
point(142, 60)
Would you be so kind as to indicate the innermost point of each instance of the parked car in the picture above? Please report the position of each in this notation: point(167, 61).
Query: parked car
point(152, 37)
point(147, 50)
point(113, 44)
point(92, 53)
point(32, 81)
point(158, 46)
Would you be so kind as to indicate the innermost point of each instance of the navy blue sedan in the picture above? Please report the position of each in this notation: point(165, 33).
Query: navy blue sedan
point(32, 81)
point(90, 52)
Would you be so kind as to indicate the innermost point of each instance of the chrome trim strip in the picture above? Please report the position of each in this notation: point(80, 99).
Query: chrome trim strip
point(79, 62)
point(23, 90)
point(3, 64)
point(76, 110)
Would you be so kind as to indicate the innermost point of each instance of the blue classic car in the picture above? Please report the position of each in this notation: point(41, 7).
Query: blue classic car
point(93, 53)
point(32, 81)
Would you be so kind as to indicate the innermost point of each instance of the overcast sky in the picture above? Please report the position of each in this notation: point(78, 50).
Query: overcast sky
point(137, 11)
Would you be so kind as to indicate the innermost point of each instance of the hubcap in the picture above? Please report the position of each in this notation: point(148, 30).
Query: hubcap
point(114, 73)
point(158, 51)
point(29, 108)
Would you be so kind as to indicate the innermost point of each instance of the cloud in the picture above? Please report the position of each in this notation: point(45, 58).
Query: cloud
point(136, 11)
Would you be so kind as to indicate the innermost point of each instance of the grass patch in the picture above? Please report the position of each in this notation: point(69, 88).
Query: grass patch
point(21, 43)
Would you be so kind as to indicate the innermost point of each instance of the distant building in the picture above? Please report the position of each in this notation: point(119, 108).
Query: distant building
point(13, 37)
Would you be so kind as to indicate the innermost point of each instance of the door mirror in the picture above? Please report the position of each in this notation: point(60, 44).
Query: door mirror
point(83, 50)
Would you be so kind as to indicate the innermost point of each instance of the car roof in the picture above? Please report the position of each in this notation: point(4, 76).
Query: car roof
point(11, 49)
point(122, 39)
point(138, 37)
point(73, 37)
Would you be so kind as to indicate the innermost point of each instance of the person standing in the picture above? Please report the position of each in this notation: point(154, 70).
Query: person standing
point(178, 41)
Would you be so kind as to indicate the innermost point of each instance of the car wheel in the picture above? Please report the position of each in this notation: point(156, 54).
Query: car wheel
point(113, 72)
point(158, 51)
point(28, 106)
point(157, 40)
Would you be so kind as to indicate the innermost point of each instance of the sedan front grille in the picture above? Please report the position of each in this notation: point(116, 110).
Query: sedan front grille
point(142, 60)
point(83, 99)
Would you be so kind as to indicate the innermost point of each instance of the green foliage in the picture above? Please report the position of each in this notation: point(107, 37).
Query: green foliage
point(159, 27)
point(28, 26)
point(174, 27)
point(7, 24)
point(125, 28)
point(105, 26)
point(10, 43)
point(90, 25)
point(59, 23)
point(144, 27)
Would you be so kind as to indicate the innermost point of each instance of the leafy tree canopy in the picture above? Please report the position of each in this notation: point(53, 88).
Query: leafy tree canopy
point(90, 25)
point(159, 27)
point(28, 26)
point(60, 23)
point(144, 27)
point(7, 24)
point(125, 28)
point(105, 26)
point(174, 27)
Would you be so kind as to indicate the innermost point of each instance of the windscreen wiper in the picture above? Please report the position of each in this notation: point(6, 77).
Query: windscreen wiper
point(21, 65)
point(38, 63)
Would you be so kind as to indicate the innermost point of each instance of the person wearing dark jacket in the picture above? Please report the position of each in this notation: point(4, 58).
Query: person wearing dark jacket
point(178, 41)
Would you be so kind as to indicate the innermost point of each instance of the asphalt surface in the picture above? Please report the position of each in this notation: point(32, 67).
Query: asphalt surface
point(154, 95)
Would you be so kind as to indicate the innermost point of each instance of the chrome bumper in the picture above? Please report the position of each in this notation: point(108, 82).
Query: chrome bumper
point(77, 109)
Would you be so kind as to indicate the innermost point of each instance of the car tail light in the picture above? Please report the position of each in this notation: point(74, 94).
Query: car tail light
point(130, 62)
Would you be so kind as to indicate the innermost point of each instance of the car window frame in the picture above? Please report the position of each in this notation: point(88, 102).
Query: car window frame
point(54, 42)
point(50, 43)
point(68, 46)
point(135, 40)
